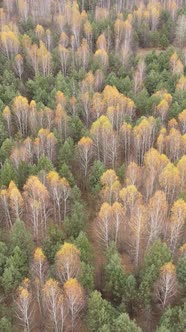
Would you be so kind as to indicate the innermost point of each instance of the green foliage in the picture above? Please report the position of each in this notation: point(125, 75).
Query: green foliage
point(77, 128)
point(96, 172)
point(99, 313)
point(181, 271)
point(5, 325)
point(124, 85)
point(8, 86)
point(53, 242)
point(121, 172)
point(3, 132)
point(87, 277)
point(5, 149)
point(20, 236)
point(152, 80)
point(174, 319)
point(115, 278)
point(65, 171)
point(44, 164)
point(7, 173)
point(16, 268)
point(40, 88)
point(85, 247)
point(3, 256)
point(23, 172)
point(156, 256)
point(75, 223)
point(66, 152)
point(124, 324)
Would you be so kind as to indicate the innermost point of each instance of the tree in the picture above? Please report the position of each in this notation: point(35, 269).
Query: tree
point(68, 264)
point(144, 134)
point(85, 247)
point(55, 304)
point(8, 118)
point(9, 41)
point(21, 113)
point(130, 198)
point(115, 278)
point(155, 257)
point(16, 268)
point(59, 190)
point(39, 269)
point(85, 150)
point(99, 313)
point(24, 310)
point(19, 65)
point(181, 31)
point(181, 269)
point(75, 301)
point(76, 221)
point(173, 319)
point(123, 324)
point(3, 256)
point(182, 121)
point(104, 224)
point(111, 185)
point(169, 180)
point(133, 175)
point(177, 220)
point(16, 200)
point(4, 203)
point(157, 213)
point(166, 286)
point(138, 230)
point(96, 172)
point(64, 58)
point(37, 203)
point(100, 132)
point(181, 165)
point(20, 236)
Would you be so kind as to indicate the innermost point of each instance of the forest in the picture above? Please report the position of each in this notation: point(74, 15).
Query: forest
point(93, 166)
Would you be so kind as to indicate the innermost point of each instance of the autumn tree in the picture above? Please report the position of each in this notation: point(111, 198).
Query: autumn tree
point(68, 263)
point(181, 165)
point(64, 58)
point(18, 65)
point(144, 135)
point(177, 220)
point(37, 205)
point(21, 112)
point(16, 201)
point(157, 213)
point(117, 221)
point(169, 180)
point(100, 132)
point(75, 301)
point(166, 287)
point(59, 190)
point(130, 197)
point(133, 175)
point(24, 308)
point(55, 304)
point(39, 269)
point(182, 121)
point(137, 233)
point(111, 185)
point(154, 162)
point(9, 41)
point(85, 151)
point(104, 224)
